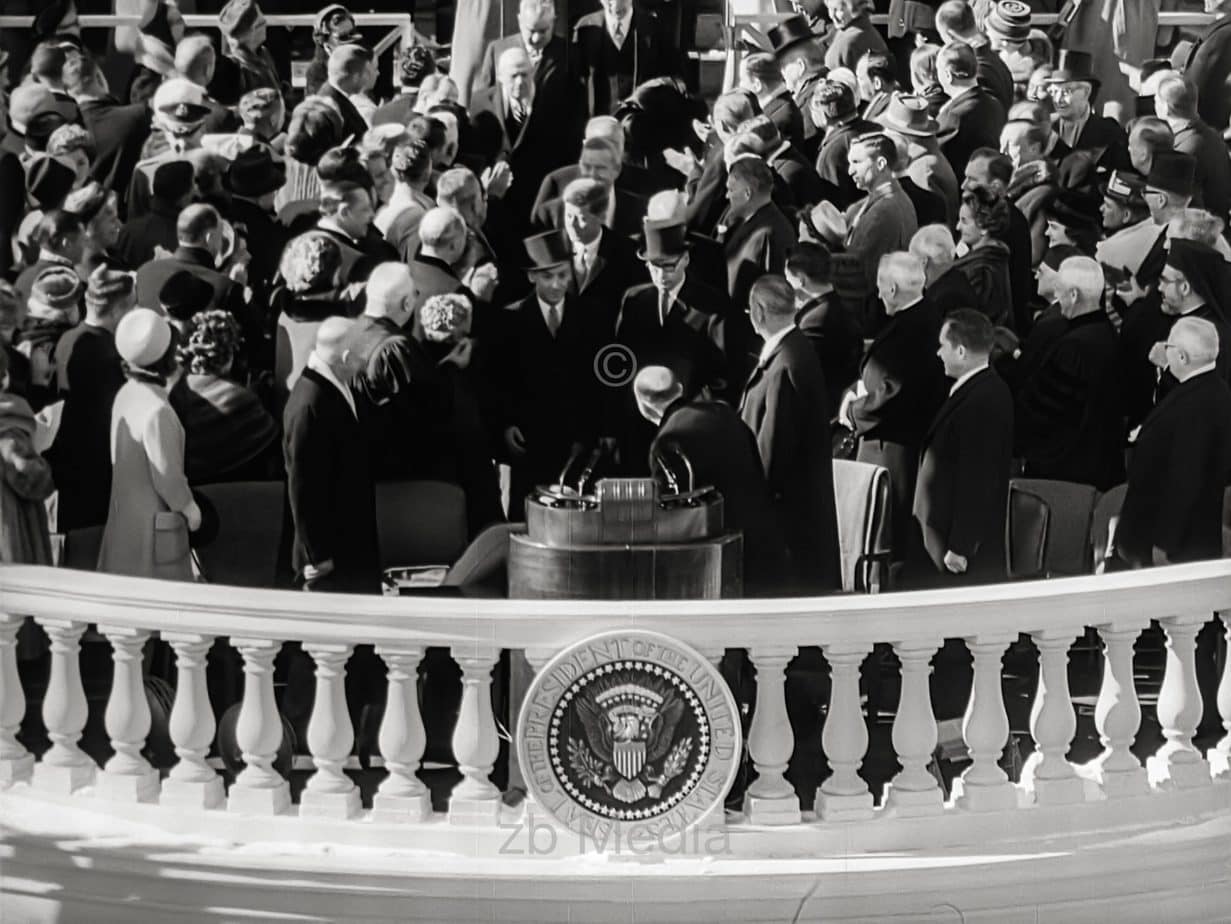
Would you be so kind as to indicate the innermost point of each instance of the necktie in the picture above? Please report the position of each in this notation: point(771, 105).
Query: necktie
point(664, 306)
point(553, 319)
point(518, 110)
point(581, 268)
point(617, 35)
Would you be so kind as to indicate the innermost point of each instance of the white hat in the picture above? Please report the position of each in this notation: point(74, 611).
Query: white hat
point(180, 105)
point(142, 337)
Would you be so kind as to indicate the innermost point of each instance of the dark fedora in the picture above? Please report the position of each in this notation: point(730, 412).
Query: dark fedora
point(183, 295)
point(1074, 66)
point(664, 241)
point(788, 33)
point(908, 115)
point(551, 248)
point(1173, 172)
point(1076, 209)
point(255, 173)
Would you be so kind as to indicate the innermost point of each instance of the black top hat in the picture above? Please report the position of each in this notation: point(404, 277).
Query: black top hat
point(551, 248)
point(254, 173)
point(1073, 65)
point(788, 33)
point(1173, 172)
point(664, 240)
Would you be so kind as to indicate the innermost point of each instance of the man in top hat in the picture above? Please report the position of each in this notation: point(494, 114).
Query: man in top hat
point(1180, 466)
point(721, 453)
point(1072, 86)
point(1131, 232)
point(1195, 283)
point(243, 27)
point(929, 169)
point(180, 110)
point(833, 111)
point(617, 49)
point(801, 61)
point(676, 320)
point(549, 368)
point(1176, 103)
point(761, 75)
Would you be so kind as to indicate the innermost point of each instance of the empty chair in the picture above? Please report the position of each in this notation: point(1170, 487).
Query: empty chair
point(1027, 531)
point(420, 523)
point(1071, 510)
point(863, 498)
point(245, 551)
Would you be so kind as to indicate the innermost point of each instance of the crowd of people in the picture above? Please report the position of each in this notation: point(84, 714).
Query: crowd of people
point(931, 250)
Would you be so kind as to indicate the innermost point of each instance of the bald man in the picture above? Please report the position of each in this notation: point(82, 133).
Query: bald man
point(348, 74)
point(723, 454)
point(1181, 463)
point(1067, 413)
point(330, 493)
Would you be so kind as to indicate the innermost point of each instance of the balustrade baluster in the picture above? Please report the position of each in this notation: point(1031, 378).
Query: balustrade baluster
point(402, 796)
point(914, 791)
point(1177, 764)
point(330, 793)
point(259, 789)
point(192, 783)
point(1047, 772)
point(65, 767)
point(1117, 715)
point(475, 800)
point(844, 796)
point(1219, 756)
point(770, 799)
point(127, 776)
point(16, 763)
point(984, 786)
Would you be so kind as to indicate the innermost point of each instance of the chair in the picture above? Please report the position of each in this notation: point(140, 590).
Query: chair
point(483, 569)
point(1071, 508)
point(250, 520)
point(1103, 524)
point(420, 523)
point(862, 494)
point(1027, 528)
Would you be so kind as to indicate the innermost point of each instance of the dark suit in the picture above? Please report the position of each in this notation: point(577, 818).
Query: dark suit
point(1068, 409)
point(970, 121)
point(929, 206)
point(789, 119)
point(962, 490)
point(616, 269)
point(554, 86)
point(548, 388)
point(626, 219)
point(228, 294)
point(1102, 137)
point(882, 222)
point(707, 193)
point(905, 385)
point(633, 179)
point(952, 290)
point(723, 454)
point(353, 124)
point(141, 235)
point(993, 75)
point(1209, 67)
point(833, 331)
point(119, 132)
point(1213, 179)
point(757, 245)
point(831, 160)
point(798, 176)
point(329, 486)
point(784, 405)
point(1177, 475)
point(608, 74)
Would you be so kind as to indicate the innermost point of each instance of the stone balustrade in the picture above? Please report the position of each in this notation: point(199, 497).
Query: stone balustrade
point(1054, 614)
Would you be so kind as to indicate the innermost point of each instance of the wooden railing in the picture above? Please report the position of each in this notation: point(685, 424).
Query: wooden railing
point(189, 617)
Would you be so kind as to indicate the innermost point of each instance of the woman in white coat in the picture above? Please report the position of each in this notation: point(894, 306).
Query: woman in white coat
point(152, 509)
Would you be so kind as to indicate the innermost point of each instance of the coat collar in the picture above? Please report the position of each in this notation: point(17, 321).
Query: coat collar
point(955, 400)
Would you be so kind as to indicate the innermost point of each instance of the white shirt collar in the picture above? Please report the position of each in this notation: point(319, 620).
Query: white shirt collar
point(1208, 367)
point(966, 377)
point(772, 342)
point(321, 368)
point(625, 22)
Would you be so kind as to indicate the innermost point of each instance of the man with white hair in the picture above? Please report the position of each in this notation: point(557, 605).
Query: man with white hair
point(616, 49)
point(632, 178)
point(1182, 460)
point(442, 242)
point(946, 287)
point(1068, 410)
point(600, 159)
point(396, 382)
point(548, 54)
point(901, 383)
point(329, 483)
point(348, 75)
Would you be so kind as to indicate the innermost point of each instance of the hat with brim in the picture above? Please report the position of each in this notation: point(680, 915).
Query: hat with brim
point(1173, 172)
point(826, 221)
point(180, 105)
point(1009, 20)
point(184, 294)
point(1075, 210)
point(1074, 67)
point(665, 241)
point(325, 20)
point(908, 115)
point(547, 250)
point(789, 33)
point(254, 173)
point(142, 337)
point(1124, 186)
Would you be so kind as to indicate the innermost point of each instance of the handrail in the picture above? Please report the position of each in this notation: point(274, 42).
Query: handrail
point(219, 610)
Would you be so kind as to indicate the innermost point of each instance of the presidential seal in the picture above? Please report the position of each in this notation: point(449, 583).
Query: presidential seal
point(629, 729)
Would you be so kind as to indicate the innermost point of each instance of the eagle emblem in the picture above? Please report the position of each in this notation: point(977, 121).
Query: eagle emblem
point(628, 749)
